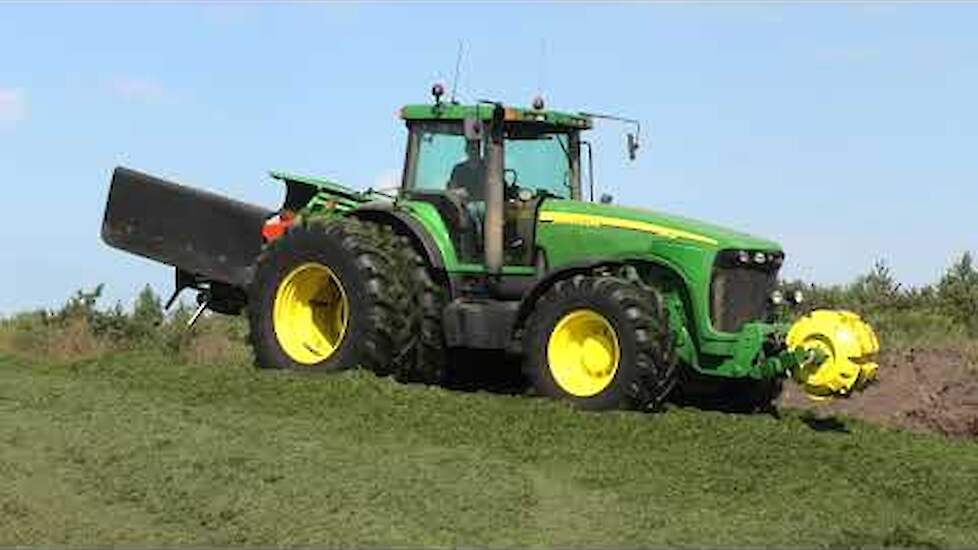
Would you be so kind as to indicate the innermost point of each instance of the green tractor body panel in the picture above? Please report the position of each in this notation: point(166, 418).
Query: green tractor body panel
point(670, 226)
point(311, 195)
point(430, 219)
point(321, 185)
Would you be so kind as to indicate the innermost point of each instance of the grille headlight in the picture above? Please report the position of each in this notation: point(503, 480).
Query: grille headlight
point(754, 259)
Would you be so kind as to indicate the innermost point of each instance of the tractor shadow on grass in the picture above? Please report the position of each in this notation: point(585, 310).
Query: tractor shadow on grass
point(716, 403)
point(500, 373)
point(485, 370)
point(732, 396)
point(824, 423)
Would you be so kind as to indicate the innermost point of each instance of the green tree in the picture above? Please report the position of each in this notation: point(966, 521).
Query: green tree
point(148, 311)
point(82, 304)
point(877, 289)
point(957, 291)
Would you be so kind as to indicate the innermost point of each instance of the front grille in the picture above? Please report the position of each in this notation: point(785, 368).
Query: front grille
point(740, 294)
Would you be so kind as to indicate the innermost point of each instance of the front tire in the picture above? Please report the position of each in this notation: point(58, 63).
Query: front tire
point(326, 296)
point(601, 343)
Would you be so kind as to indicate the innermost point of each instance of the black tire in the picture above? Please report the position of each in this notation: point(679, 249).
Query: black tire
point(355, 252)
point(646, 372)
point(427, 358)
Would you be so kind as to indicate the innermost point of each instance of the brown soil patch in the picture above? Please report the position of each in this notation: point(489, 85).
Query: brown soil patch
point(921, 390)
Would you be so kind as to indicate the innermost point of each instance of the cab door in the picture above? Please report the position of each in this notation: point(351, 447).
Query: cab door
point(540, 162)
point(445, 167)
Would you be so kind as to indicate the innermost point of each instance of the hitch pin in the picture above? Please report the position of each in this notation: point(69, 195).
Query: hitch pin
point(173, 298)
point(197, 313)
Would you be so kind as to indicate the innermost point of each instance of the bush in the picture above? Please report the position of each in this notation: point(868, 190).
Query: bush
point(80, 329)
point(957, 292)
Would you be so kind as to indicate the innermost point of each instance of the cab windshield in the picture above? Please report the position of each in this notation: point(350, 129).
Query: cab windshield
point(541, 161)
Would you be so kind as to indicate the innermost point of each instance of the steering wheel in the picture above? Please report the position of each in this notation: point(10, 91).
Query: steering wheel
point(516, 177)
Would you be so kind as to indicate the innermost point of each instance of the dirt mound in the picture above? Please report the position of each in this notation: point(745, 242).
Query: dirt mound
point(921, 390)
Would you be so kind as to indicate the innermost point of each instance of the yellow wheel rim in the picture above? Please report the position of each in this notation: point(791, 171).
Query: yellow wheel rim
point(583, 353)
point(310, 314)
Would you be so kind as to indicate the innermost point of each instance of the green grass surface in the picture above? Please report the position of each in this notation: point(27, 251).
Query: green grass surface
point(129, 449)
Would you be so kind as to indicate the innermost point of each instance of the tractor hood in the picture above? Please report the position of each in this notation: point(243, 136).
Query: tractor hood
point(658, 223)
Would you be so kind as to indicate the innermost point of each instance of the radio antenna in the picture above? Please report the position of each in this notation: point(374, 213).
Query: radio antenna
point(458, 65)
point(542, 74)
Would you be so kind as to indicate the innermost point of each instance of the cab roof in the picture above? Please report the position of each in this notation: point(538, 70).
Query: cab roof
point(455, 111)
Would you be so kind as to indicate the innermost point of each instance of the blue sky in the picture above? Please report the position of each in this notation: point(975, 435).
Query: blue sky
point(846, 132)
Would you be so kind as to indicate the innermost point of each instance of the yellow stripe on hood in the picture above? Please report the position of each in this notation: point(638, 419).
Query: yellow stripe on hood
point(590, 220)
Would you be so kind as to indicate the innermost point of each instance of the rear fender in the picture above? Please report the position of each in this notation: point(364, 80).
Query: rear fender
point(403, 224)
point(675, 294)
point(548, 281)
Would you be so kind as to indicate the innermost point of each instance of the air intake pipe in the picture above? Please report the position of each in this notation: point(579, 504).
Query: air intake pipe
point(493, 228)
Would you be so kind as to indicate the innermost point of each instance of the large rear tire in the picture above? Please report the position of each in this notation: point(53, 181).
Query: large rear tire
point(601, 343)
point(327, 296)
point(427, 362)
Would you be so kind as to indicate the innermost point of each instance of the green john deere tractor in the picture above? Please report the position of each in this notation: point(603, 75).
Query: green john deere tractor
point(491, 243)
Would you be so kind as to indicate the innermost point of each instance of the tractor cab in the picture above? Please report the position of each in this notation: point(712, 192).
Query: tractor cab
point(486, 168)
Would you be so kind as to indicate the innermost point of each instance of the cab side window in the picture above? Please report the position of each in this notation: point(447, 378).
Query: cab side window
point(438, 154)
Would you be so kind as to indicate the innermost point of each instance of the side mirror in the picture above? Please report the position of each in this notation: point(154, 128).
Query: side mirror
point(606, 198)
point(632, 146)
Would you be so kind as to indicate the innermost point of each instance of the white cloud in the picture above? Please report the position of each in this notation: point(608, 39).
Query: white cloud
point(137, 89)
point(13, 106)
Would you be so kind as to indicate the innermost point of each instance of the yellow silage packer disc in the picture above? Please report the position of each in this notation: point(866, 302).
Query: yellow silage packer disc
point(844, 351)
